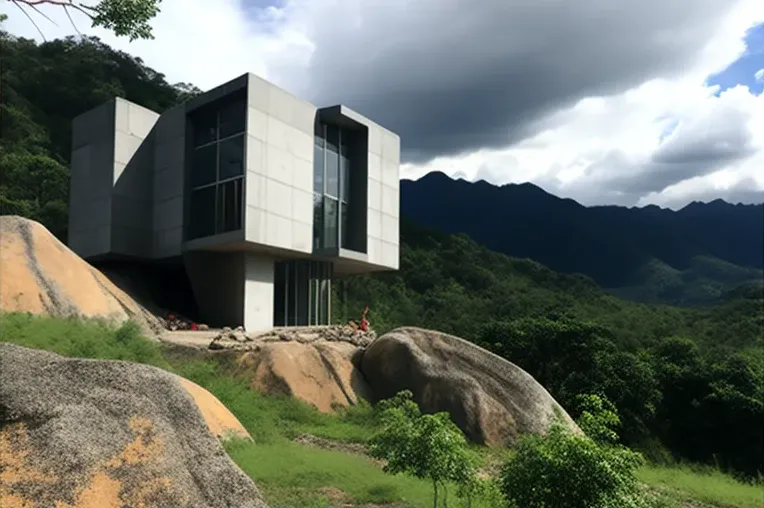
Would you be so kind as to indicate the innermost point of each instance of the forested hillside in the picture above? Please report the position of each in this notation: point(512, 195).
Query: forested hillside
point(43, 88)
point(688, 382)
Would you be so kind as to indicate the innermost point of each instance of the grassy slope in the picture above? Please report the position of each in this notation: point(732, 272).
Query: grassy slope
point(292, 474)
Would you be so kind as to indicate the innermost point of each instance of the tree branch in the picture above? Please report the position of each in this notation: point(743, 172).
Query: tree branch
point(30, 18)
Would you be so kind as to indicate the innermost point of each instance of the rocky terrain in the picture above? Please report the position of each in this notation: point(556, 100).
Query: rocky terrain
point(41, 275)
point(492, 400)
point(108, 434)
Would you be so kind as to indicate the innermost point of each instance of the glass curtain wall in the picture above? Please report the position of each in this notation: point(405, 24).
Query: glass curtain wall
point(216, 169)
point(302, 293)
point(331, 187)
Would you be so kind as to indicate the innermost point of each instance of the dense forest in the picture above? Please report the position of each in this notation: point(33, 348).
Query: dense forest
point(688, 382)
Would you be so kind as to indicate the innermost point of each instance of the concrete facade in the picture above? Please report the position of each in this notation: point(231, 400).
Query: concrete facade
point(136, 189)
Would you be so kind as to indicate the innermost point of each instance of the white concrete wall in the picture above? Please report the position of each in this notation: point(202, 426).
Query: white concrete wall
point(258, 292)
point(383, 197)
point(279, 177)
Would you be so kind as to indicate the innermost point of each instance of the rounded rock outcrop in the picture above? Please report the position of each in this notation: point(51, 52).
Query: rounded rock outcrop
point(490, 399)
point(107, 434)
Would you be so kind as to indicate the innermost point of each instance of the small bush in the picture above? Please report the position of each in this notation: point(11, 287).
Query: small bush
point(428, 446)
point(570, 471)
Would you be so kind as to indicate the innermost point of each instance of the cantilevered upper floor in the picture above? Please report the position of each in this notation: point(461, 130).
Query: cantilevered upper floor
point(244, 167)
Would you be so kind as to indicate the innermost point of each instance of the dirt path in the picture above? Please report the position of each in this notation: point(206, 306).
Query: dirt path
point(196, 339)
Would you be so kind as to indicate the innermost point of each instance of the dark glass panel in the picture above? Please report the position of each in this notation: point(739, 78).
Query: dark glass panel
point(318, 220)
point(332, 174)
point(344, 178)
point(229, 206)
point(233, 118)
point(202, 213)
point(232, 157)
point(330, 223)
point(333, 138)
point(319, 135)
point(204, 126)
point(343, 225)
point(279, 294)
point(203, 165)
point(318, 169)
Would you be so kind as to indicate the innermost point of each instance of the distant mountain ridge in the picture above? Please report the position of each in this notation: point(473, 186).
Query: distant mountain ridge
point(687, 256)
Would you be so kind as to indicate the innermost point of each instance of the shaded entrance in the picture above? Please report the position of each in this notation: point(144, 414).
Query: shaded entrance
point(302, 293)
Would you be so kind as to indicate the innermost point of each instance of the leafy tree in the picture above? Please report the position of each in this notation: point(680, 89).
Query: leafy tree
point(570, 471)
point(427, 446)
point(123, 17)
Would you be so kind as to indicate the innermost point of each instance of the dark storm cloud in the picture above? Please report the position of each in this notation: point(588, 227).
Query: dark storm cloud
point(452, 76)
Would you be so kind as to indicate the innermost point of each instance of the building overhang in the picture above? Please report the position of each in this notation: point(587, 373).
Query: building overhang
point(344, 117)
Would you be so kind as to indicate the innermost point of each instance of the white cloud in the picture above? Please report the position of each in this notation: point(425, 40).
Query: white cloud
point(623, 114)
point(759, 75)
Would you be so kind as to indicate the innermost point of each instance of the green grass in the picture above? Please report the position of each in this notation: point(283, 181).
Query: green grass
point(81, 338)
point(291, 474)
point(683, 484)
point(286, 471)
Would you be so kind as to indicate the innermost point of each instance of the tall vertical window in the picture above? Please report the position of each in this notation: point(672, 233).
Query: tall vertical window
point(332, 170)
point(302, 293)
point(216, 169)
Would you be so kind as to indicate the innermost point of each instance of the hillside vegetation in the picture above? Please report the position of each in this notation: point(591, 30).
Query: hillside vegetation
point(300, 457)
point(688, 382)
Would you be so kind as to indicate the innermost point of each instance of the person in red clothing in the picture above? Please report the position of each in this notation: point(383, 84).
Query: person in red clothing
point(364, 321)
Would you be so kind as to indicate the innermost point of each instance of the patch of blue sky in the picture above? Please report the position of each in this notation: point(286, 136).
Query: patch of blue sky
point(745, 69)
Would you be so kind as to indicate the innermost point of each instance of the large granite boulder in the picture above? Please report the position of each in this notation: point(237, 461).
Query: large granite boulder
point(108, 434)
point(43, 276)
point(321, 373)
point(489, 398)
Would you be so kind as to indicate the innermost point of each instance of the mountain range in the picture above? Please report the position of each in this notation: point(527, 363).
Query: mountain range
point(689, 256)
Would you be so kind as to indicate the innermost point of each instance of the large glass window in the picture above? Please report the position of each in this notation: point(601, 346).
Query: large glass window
point(332, 173)
point(302, 290)
point(216, 169)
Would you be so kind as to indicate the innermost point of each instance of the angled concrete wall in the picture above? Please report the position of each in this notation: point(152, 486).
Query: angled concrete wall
point(168, 183)
point(92, 181)
point(132, 197)
point(279, 177)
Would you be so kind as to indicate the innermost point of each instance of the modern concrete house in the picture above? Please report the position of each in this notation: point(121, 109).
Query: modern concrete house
point(261, 196)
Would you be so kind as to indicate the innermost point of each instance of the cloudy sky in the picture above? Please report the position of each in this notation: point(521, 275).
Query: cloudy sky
point(608, 102)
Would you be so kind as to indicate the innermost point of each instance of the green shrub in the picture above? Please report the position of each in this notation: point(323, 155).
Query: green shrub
point(426, 446)
point(564, 470)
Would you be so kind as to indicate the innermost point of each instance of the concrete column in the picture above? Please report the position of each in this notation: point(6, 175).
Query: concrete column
point(258, 292)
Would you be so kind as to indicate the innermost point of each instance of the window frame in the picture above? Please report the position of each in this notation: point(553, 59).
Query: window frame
point(218, 183)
